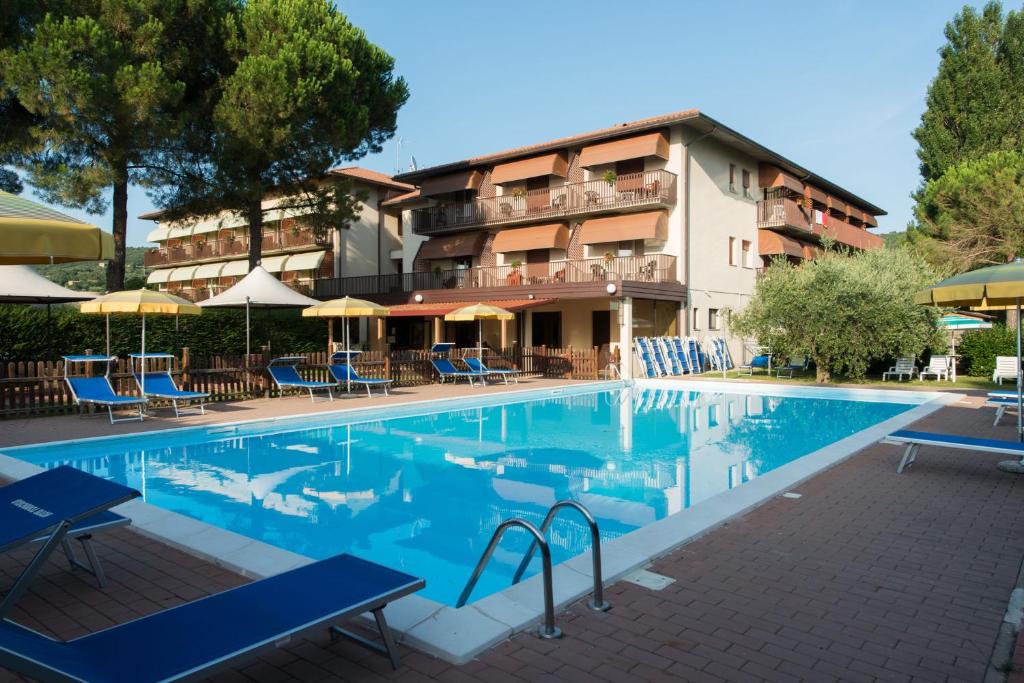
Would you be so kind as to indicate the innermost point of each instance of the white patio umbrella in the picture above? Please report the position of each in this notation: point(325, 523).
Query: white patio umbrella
point(23, 285)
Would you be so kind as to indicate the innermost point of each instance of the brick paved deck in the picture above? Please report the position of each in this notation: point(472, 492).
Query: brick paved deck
point(867, 576)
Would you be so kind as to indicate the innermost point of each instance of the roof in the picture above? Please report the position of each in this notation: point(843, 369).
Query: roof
point(369, 176)
point(354, 172)
point(402, 198)
point(703, 125)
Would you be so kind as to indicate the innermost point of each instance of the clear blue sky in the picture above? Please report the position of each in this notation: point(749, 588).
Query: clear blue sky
point(835, 86)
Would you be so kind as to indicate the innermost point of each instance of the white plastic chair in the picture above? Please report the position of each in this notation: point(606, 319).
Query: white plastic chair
point(904, 366)
point(1006, 368)
point(937, 366)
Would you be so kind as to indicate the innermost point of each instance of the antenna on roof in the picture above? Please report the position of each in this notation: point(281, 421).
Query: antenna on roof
point(412, 163)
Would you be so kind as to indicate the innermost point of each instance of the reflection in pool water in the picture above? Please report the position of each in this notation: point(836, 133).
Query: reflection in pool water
point(424, 493)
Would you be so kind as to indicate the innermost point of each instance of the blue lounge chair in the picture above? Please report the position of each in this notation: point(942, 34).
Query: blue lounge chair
point(914, 440)
point(477, 365)
point(1001, 401)
point(161, 385)
point(447, 370)
point(51, 507)
point(762, 361)
point(695, 356)
point(98, 390)
point(795, 364)
point(282, 370)
point(195, 639)
point(346, 374)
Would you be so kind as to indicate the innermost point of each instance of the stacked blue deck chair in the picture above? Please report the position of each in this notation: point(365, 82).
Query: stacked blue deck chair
point(161, 385)
point(201, 637)
point(477, 365)
point(285, 375)
point(679, 347)
point(342, 371)
point(446, 369)
point(645, 356)
point(695, 355)
point(99, 391)
point(673, 363)
point(51, 507)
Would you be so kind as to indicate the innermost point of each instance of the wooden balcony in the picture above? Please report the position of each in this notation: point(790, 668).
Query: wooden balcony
point(788, 215)
point(637, 190)
point(655, 268)
point(213, 250)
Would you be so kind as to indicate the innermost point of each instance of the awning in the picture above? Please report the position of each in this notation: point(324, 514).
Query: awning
point(774, 177)
point(208, 270)
point(636, 147)
point(549, 236)
point(545, 164)
point(838, 205)
point(648, 225)
point(870, 220)
point(816, 194)
point(182, 274)
point(451, 246)
point(235, 268)
point(274, 264)
point(453, 182)
point(158, 277)
point(771, 243)
point(438, 309)
point(179, 232)
point(309, 260)
point(157, 234)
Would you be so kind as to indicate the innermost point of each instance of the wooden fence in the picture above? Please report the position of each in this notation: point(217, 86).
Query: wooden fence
point(38, 388)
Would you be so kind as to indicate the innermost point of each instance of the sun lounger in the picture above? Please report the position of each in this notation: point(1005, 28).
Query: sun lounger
point(198, 638)
point(759, 362)
point(1001, 401)
point(52, 507)
point(938, 367)
point(914, 441)
point(796, 364)
point(447, 370)
point(904, 366)
point(477, 365)
point(161, 385)
point(98, 390)
point(282, 371)
point(345, 373)
point(1006, 368)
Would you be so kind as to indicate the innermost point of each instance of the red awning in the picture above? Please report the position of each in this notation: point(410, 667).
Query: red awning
point(415, 310)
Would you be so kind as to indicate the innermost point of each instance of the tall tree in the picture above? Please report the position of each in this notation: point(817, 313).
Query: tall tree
point(843, 310)
point(304, 90)
point(106, 82)
point(975, 104)
point(973, 215)
point(17, 19)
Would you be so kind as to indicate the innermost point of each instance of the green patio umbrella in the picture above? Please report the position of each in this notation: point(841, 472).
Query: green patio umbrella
point(999, 286)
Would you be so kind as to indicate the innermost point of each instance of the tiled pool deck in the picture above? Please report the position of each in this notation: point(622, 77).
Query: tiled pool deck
point(868, 575)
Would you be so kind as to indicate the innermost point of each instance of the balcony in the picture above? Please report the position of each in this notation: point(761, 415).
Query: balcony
point(636, 190)
point(213, 250)
point(655, 268)
point(790, 216)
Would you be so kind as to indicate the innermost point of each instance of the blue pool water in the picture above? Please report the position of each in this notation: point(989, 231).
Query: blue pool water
point(423, 492)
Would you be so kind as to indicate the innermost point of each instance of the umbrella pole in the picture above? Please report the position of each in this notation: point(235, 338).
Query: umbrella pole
point(348, 359)
point(142, 361)
point(108, 335)
point(49, 345)
point(480, 341)
point(246, 345)
point(1020, 389)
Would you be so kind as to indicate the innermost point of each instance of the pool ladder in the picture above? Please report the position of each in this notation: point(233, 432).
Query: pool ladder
point(548, 628)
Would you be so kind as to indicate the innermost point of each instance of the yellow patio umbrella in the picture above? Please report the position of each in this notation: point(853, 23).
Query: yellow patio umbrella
point(346, 307)
point(31, 233)
point(142, 302)
point(480, 313)
point(988, 288)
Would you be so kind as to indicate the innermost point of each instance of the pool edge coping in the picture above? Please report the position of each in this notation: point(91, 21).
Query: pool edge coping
point(458, 635)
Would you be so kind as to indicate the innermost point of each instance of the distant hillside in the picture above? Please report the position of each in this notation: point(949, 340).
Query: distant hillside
point(91, 276)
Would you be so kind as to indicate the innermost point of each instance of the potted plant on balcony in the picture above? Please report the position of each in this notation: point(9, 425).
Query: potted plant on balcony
point(515, 276)
point(610, 177)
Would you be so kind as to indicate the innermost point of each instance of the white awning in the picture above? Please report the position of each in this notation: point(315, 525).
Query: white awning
point(309, 260)
point(158, 234)
point(205, 227)
point(178, 232)
point(159, 276)
point(274, 264)
point(209, 270)
point(235, 268)
point(182, 274)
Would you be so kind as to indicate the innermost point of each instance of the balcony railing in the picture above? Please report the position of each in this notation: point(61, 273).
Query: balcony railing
point(790, 215)
point(651, 188)
point(219, 249)
point(652, 268)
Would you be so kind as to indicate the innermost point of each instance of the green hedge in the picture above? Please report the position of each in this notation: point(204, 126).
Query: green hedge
point(23, 332)
point(978, 348)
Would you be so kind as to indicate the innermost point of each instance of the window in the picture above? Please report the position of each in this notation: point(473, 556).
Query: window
point(732, 178)
point(746, 183)
point(696, 319)
point(713, 320)
point(748, 254)
point(732, 251)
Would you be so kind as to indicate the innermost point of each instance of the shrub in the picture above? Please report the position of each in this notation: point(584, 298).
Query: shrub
point(978, 349)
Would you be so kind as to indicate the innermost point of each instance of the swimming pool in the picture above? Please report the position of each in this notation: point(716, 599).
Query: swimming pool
point(421, 488)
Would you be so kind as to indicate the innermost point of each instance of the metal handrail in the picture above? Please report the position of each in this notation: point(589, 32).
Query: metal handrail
point(548, 628)
point(597, 602)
